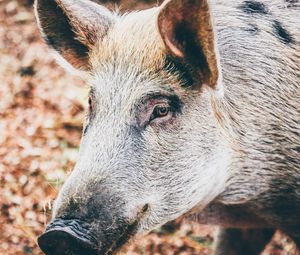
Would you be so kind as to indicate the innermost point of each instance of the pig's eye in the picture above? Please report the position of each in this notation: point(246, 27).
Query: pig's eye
point(160, 111)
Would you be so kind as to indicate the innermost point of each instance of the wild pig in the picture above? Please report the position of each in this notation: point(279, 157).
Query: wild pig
point(194, 109)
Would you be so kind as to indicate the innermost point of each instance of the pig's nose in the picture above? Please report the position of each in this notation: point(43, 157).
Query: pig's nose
point(67, 237)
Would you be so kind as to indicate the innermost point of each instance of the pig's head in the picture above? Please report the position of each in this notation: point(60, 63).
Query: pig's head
point(150, 150)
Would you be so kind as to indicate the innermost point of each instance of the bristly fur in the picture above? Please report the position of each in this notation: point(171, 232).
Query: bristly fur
point(229, 157)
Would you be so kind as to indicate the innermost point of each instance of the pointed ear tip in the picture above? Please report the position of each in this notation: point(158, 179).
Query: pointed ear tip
point(39, 2)
point(164, 6)
point(163, 19)
point(164, 3)
point(36, 12)
point(165, 24)
point(35, 6)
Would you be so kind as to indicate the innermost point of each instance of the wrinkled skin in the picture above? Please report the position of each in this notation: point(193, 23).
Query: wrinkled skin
point(179, 123)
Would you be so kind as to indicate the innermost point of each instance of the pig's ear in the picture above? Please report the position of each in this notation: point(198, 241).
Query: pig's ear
point(187, 31)
point(73, 27)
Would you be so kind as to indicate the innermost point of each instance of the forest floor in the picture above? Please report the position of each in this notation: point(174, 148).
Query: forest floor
point(41, 115)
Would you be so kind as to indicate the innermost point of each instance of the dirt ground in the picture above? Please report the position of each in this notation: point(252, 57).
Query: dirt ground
point(41, 115)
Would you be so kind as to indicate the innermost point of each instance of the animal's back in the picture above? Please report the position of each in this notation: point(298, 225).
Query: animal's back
point(259, 45)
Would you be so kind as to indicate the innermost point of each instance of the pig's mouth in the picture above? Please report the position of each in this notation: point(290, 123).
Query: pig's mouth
point(76, 237)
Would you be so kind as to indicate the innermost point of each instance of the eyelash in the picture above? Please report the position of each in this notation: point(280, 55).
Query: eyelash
point(90, 105)
point(89, 112)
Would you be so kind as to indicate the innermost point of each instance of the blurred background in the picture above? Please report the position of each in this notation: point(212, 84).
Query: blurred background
point(41, 114)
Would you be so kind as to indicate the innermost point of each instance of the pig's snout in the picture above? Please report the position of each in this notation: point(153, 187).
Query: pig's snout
point(68, 237)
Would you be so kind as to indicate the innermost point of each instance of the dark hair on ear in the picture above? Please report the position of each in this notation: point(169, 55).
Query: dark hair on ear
point(175, 66)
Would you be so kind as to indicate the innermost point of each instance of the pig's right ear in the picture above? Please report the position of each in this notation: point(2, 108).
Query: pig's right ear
point(186, 28)
point(73, 27)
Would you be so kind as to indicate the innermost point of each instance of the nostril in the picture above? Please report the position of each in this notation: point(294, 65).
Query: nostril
point(59, 242)
point(63, 241)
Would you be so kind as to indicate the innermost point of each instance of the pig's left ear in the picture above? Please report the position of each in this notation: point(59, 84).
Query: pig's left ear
point(72, 28)
point(187, 31)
